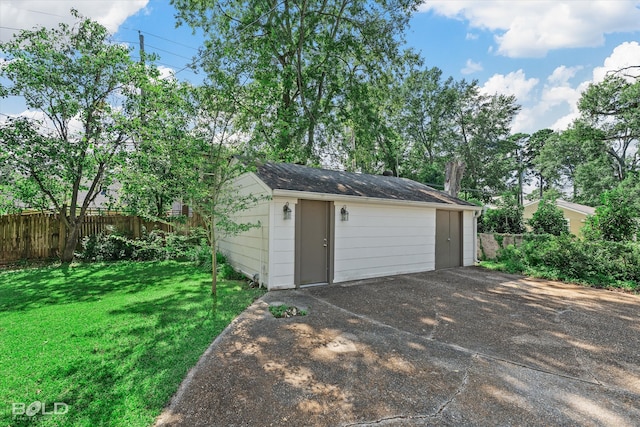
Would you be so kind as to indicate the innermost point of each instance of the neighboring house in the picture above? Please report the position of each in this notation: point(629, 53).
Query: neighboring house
point(574, 213)
point(323, 226)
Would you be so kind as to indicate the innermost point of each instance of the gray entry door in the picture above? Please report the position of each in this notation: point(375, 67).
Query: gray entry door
point(448, 239)
point(313, 242)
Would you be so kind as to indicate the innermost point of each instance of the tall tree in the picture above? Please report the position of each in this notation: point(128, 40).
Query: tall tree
point(535, 144)
point(153, 174)
point(297, 65)
point(520, 142)
point(482, 127)
point(576, 159)
point(427, 122)
point(79, 83)
point(559, 159)
point(613, 107)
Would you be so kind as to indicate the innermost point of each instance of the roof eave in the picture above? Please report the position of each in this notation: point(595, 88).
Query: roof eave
point(365, 199)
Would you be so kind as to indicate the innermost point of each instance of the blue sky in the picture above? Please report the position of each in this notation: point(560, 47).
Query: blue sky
point(543, 52)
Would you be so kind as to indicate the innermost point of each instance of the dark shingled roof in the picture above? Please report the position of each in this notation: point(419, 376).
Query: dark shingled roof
point(285, 176)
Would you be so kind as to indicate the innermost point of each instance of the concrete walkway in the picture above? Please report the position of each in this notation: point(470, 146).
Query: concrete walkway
point(463, 346)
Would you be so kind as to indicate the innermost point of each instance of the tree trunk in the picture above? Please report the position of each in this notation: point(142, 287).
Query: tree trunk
point(214, 261)
point(72, 242)
point(541, 194)
point(453, 177)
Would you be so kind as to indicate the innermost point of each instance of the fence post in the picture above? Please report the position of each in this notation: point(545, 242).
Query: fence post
point(62, 233)
point(136, 226)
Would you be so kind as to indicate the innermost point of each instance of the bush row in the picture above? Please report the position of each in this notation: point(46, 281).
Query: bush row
point(596, 262)
point(155, 245)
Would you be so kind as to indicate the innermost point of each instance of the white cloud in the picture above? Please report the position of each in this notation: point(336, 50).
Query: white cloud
point(27, 14)
point(471, 67)
point(532, 28)
point(514, 83)
point(624, 55)
point(166, 72)
point(45, 125)
point(562, 75)
point(556, 107)
point(471, 36)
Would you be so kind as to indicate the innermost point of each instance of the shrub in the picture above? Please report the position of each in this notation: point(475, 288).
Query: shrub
point(180, 245)
point(548, 219)
point(227, 272)
point(507, 218)
point(616, 220)
point(111, 246)
point(565, 257)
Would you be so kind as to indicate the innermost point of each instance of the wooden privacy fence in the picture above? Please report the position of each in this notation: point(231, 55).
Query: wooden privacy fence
point(43, 235)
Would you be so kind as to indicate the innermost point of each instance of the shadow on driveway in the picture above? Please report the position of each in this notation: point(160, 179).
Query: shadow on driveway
point(463, 346)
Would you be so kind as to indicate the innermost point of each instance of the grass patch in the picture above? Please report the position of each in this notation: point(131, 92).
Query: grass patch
point(111, 341)
point(283, 310)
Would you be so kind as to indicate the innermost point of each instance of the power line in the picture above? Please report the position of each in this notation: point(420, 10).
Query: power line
point(161, 38)
point(43, 13)
point(169, 52)
point(158, 49)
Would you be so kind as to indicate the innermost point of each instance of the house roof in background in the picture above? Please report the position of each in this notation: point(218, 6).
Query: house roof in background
point(292, 177)
point(587, 210)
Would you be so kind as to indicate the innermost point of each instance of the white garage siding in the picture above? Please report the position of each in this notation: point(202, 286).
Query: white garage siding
point(382, 239)
point(248, 252)
point(468, 239)
point(282, 243)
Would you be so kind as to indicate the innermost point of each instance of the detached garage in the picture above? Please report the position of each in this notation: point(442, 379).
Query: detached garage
point(321, 226)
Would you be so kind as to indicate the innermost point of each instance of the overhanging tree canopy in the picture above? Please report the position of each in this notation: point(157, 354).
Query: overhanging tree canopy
point(298, 66)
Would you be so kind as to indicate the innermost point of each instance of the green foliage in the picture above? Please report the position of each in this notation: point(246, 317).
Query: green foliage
point(506, 218)
point(227, 272)
point(68, 74)
point(157, 245)
point(284, 311)
point(611, 107)
point(112, 246)
point(577, 158)
point(111, 340)
point(302, 83)
point(441, 120)
point(154, 174)
point(565, 257)
point(180, 245)
point(548, 219)
point(616, 219)
point(532, 149)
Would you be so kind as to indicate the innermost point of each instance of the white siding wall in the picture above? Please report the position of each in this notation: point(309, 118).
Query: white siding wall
point(380, 240)
point(282, 244)
point(468, 239)
point(249, 251)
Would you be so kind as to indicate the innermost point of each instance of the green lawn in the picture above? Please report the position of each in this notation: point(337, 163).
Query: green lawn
point(110, 341)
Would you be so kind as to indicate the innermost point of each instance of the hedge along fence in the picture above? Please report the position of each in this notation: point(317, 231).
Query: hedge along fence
point(490, 243)
point(43, 235)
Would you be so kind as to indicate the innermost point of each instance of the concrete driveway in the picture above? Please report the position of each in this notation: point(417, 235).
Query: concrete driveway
point(463, 346)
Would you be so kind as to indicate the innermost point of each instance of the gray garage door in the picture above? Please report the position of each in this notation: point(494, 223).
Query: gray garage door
point(448, 239)
point(312, 242)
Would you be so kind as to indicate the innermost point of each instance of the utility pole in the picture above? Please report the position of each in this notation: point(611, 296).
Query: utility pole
point(141, 39)
point(142, 96)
